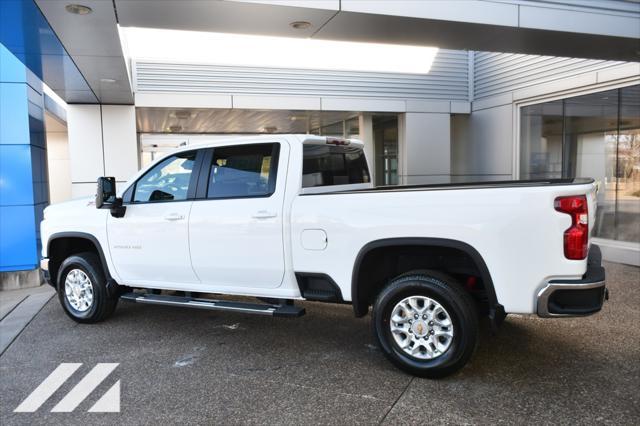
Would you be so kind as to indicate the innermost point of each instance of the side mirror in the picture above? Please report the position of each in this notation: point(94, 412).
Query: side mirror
point(106, 197)
point(106, 192)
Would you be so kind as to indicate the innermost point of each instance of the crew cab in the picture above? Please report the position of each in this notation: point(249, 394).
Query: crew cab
point(283, 218)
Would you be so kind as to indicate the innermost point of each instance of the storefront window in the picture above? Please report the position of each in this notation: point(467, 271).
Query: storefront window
point(541, 141)
point(385, 138)
point(627, 208)
point(595, 135)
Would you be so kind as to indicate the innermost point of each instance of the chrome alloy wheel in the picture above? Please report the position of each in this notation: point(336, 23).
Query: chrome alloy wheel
point(421, 327)
point(78, 290)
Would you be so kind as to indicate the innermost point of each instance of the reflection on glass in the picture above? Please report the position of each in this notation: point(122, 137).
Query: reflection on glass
point(627, 220)
point(598, 136)
point(541, 141)
point(352, 128)
point(385, 138)
point(590, 134)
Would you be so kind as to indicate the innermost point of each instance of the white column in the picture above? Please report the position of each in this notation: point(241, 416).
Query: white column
point(102, 142)
point(120, 141)
point(425, 148)
point(85, 148)
point(365, 123)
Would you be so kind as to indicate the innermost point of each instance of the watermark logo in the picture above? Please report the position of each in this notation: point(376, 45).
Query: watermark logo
point(108, 403)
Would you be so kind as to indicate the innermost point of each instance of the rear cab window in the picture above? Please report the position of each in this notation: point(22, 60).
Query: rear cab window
point(332, 166)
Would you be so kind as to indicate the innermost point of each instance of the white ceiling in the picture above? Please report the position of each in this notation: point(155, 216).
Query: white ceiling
point(582, 29)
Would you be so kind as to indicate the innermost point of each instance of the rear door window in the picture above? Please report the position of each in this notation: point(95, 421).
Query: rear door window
point(243, 171)
point(325, 165)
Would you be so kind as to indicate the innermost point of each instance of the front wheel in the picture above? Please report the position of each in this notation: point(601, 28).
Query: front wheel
point(426, 324)
point(82, 289)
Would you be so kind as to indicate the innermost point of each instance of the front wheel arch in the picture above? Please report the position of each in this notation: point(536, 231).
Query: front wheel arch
point(61, 245)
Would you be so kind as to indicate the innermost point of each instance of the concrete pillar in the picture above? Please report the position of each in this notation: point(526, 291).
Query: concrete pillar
point(425, 148)
point(23, 168)
point(102, 142)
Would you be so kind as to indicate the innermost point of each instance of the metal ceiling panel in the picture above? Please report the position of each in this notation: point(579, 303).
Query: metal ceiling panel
point(225, 16)
point(93, 43)
point(27, 34)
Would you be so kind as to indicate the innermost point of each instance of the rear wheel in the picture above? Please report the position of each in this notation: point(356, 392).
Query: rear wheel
point(82, 289)
point(426, 324)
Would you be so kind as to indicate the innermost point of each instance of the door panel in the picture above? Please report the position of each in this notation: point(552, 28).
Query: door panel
point(236, 235)
point(150, 244)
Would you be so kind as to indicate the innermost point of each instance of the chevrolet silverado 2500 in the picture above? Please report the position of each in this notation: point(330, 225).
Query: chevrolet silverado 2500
point(282, 218)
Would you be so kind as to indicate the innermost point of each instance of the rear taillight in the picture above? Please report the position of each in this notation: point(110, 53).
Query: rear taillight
point(576, 238)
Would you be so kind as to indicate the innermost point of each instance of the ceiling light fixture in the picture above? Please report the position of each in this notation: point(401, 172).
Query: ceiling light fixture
point(78, 9)
point(108, 80)
point(277, 52)
point(300, 25)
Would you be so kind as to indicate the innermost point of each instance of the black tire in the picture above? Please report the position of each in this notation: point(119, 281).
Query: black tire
point(103, 305)
point(450, 295)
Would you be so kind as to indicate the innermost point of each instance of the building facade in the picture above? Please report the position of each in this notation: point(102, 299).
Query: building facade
point(475, 116)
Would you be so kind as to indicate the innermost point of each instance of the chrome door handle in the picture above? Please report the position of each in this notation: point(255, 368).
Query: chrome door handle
point(174, 216)
point(264, 214)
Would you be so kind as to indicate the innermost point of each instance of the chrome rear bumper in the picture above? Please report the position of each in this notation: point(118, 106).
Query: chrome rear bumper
point(566, 298)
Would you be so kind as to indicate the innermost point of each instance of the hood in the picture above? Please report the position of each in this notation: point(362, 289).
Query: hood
point(76, 205)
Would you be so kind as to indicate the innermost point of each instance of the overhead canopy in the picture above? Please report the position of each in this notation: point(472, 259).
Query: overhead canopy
point(581, 28)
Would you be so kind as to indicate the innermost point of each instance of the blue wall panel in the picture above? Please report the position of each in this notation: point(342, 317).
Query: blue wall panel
point(16, 177)
point(14, 117)
point(24, 190)
point(12, 70)
point(18, 244)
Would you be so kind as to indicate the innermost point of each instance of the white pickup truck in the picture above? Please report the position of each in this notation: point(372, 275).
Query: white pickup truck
point(282, 218)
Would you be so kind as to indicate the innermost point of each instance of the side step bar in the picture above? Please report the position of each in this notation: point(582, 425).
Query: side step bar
point(283, 310)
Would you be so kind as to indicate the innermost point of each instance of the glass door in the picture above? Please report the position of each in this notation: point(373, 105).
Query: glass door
point(385, 139)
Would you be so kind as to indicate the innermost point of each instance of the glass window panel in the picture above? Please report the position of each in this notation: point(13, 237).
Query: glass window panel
point(541, 141)
point(325, 165)
point(167, 181)
point(591, 123)
point(336, 130)
point(385, 136)
point(243, 171)
point(597, 136)
point(627, 220)
point(352, 127)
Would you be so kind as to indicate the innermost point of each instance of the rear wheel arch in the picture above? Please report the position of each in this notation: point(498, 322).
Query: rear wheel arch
point(61, 245)
point(361, 293)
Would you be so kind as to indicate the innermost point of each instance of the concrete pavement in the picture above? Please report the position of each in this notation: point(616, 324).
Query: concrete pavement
point(18, 308)
point(199, 367)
